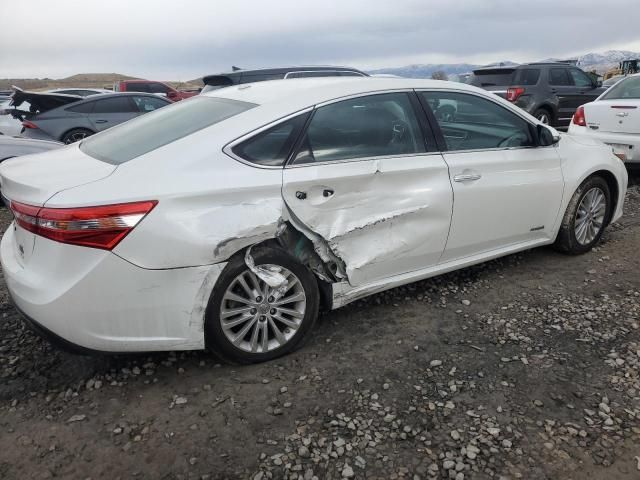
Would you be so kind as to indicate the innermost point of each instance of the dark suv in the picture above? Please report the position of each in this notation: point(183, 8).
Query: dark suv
point(221, 80)
point(551, 92)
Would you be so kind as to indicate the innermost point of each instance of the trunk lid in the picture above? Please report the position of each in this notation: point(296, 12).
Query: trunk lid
point(29, 104)
point(615, 116)
point(33, 179)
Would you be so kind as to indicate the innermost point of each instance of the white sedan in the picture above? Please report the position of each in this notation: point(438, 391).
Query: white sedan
point(613, 118)
point(227, 220)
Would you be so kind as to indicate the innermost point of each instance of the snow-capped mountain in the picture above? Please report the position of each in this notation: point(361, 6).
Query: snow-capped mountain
point(600, 62)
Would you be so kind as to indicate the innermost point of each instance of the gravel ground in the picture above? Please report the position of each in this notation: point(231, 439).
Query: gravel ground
point(523, 367)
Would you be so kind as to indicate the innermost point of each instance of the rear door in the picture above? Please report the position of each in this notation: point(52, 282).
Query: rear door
point(507, 191)
point(364, 180)
point(112, 111)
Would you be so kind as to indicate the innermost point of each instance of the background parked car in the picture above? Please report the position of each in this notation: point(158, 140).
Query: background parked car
point(151, 86)
point(70, 118)
point(239, 76)
point(551, 92)
point(614, 118)
point(15, 147)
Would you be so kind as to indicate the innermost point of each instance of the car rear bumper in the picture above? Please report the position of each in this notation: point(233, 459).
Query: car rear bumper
point(626, 143)
point(92, 300)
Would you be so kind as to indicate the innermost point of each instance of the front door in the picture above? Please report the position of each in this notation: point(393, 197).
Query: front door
point(363, 180)
point(506, 190)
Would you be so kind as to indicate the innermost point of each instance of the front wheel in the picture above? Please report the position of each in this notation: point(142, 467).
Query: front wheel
point(248, 321)
point(586, 217)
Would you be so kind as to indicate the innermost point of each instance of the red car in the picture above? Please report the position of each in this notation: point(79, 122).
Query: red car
point(151, 86)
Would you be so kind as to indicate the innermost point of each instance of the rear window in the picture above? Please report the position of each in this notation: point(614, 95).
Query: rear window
point(627, 88)
point(497, 77)
point(526, 76)
point(160, 127)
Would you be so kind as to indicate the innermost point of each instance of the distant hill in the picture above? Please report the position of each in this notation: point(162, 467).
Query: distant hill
point(87, 80)
point(599, 62)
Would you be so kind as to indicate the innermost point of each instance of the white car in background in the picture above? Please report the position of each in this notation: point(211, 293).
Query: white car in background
point(228, 219)
point(613, 118)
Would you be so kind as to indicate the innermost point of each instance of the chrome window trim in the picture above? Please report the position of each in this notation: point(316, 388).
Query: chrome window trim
point(228, 148)
point(358, 74)
point(362, 159)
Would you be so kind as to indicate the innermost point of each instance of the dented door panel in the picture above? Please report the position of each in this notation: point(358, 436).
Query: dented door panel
point(381, 217)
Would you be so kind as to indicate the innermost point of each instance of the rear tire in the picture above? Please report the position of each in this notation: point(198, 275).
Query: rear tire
point(543, 115)
point(247, 321)
point(76, 135)
point(586, 217)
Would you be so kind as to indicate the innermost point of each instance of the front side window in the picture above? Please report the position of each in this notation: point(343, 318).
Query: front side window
point(580, 79)
point(272, 147)
point(148, 104)
point(559, 76)
point(145, 133)
point(627, 88)
point(363, 127)
point(113, 105)
point(470, 122)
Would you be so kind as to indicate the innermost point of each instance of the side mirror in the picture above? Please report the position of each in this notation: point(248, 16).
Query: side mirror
point(598, 83)
point(171, 95)
point(546, 136)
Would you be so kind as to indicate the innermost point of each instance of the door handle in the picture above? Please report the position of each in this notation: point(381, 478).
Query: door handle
point(102, 121)
point(327, 192)
point(301, 195)
point(467, 177)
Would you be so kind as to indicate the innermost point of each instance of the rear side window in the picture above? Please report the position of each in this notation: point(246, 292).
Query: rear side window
point(161, 127)
point(559, 76)
point(363, 127)
point(526, 76)
point(272, 147)
point(82, 108)
point(114, 105)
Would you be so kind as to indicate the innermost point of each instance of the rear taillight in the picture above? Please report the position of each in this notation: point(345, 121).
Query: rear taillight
point(97, 227)
point(28, 124)
point(579, 118)
point(513, 93)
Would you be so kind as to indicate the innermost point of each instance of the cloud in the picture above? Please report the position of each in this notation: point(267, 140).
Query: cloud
point(175, 40)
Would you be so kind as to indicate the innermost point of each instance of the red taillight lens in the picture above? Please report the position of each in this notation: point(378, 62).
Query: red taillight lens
point(579, 118)
point(97, 227)
point(28, 124)
point(513, 93)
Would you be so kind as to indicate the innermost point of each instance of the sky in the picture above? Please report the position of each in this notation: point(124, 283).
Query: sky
point(185, 40)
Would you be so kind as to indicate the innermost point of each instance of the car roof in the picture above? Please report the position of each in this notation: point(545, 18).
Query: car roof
point(276, 70)
point(304, 92)
point(139, 80)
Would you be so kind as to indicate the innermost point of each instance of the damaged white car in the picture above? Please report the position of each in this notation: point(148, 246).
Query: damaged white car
point(227, 220)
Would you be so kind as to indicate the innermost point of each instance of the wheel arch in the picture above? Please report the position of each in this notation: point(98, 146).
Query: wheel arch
point(64, 134)
point(614, 189)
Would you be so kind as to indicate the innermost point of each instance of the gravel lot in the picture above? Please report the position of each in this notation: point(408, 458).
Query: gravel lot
point(523, 367)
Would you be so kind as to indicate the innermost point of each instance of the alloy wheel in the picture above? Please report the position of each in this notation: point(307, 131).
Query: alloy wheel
point(590, 216)
point(257, 318)
point(544, 118)
point(75, 137)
